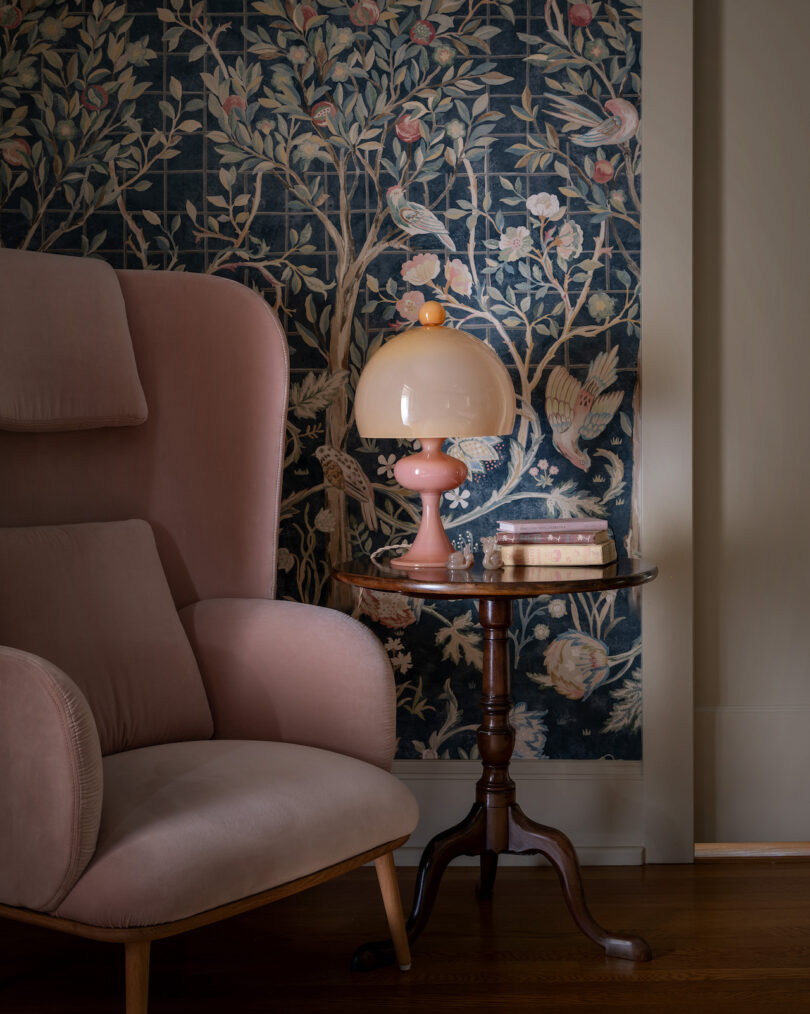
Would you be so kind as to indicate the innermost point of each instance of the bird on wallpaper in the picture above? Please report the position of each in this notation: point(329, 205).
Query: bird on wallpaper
point(581, 411)
point(416, 219)
point(618, 127)
point(342, 471)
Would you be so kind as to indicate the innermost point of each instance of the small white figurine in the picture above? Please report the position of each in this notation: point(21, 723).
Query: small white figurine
point(492, 553)
point(462, 558)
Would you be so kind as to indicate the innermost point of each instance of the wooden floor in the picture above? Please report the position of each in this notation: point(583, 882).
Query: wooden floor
point(726, 937)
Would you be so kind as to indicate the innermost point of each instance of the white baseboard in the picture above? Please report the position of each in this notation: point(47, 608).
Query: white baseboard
point(520, 770)
point(598, 804)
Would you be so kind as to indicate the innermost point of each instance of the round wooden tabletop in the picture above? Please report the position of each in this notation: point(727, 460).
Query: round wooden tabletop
point(509, 582)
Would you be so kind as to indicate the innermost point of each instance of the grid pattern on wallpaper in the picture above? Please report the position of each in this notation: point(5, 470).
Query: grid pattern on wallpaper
point(350, 161)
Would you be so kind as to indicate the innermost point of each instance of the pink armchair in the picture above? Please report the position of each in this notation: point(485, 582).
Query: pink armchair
point(175, 745)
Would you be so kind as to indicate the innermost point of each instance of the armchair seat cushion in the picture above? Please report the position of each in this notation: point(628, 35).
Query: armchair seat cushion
point(186, 827)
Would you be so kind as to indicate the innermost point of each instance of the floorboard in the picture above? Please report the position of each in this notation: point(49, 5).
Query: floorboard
point(726, 937)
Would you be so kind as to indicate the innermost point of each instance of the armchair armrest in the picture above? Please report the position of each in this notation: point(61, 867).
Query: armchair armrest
point(296, 673)
point(50, 782)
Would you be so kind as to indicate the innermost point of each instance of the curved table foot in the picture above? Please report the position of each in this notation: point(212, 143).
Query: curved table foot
point(526, 836)
point(464, 839)
point(373, 955)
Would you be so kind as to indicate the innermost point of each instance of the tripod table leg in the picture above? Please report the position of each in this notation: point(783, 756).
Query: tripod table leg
point(463, 839)
point(486, 882)
point(527, 836)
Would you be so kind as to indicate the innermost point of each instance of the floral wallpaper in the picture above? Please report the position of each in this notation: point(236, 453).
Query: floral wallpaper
point(350, 161)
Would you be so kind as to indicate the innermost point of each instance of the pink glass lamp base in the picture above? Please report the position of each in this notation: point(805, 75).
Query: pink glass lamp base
point(430, 472)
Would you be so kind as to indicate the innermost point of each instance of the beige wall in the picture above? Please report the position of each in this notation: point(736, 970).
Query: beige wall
point(752, 420)
point(666, 437)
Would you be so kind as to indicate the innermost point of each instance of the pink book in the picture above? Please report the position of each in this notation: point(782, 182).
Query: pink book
point(543, 538)
point(546, 525)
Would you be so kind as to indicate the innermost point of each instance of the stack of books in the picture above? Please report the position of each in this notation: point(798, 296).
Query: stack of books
point(548, 542)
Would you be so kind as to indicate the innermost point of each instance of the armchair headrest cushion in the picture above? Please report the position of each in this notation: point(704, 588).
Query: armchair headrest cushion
point(93, 600)
point(66, 359)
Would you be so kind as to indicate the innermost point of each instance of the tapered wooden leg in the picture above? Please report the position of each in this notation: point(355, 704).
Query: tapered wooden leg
point(137, 976)
point(389, 888)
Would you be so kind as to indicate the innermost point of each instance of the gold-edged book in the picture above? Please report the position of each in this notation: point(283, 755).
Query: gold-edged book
point(592, 554)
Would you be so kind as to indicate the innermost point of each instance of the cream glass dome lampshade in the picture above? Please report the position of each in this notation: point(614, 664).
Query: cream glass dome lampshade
point(428, 383)
point(434, 381)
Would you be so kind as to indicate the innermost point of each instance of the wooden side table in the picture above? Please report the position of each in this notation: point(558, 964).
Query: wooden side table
point(496, 824)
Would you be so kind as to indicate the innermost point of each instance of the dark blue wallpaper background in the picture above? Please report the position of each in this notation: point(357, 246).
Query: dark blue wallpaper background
point(259, 141)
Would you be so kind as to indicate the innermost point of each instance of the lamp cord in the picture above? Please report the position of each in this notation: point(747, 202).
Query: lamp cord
point(387, 549)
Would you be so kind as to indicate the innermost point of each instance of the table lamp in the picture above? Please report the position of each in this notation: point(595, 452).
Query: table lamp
point(429, 383)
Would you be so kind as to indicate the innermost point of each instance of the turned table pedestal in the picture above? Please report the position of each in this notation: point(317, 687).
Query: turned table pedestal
point(496, 824)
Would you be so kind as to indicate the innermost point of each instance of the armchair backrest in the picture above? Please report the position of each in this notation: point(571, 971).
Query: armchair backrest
point(93, 600)
point(204, 469)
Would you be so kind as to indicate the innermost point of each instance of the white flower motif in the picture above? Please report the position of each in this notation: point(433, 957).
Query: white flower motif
point(393, 644)
point(386, 465)
point(557, 608)
point(458, 277)
point(543, 205)
point(458, 499)
point(516, 242)
point(421, 269)
point(308, 148)
point(569, 242)
point(325, 520)
point(541, 631)
point(455, 128)
point(51, 29)
point(600, 306)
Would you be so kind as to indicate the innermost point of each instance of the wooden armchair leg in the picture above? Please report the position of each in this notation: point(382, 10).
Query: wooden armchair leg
point(137, 976)
point(389, 888)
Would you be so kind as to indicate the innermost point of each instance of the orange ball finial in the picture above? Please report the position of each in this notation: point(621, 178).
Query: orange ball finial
point(431, 314)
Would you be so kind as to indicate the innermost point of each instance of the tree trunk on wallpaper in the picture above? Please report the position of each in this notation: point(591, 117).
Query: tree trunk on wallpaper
point(350, 161)
point(338, 414)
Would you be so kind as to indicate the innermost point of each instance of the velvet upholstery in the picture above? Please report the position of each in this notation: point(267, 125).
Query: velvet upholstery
point(297, 673)
point(205, 468)
point(93, 600)
point(67, 360)
point(190, 826)
point(51, 786)
point(105, 535)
